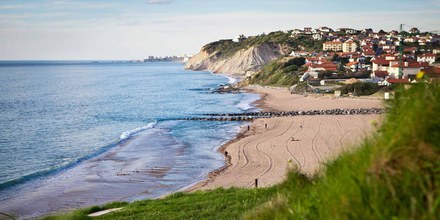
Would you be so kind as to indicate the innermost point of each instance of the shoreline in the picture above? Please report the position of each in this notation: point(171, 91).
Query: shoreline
point(269, 101)
point(260, 103)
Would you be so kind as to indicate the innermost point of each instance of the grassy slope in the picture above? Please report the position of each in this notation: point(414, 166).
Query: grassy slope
point(280, 72)
point(216, 204)
point(394, 175)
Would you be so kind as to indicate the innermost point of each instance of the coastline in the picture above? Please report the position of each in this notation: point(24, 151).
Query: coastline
point(238, 172)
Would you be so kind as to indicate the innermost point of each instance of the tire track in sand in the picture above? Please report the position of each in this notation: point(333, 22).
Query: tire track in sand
point(242, 150)
point(266, 155)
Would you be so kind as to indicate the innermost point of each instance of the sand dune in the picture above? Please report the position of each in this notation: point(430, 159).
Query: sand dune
point(304, 142)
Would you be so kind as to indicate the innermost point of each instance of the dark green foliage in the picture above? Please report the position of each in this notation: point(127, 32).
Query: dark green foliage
point(278, 73)
point(360, 88)
point(299, 61)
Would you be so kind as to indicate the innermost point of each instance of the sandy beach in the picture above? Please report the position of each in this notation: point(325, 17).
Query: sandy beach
point(273, 146)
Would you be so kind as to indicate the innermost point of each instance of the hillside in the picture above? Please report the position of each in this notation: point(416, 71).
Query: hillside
point(394, 174)
point(249, 55)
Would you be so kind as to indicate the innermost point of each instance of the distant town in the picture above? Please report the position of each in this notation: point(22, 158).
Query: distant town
point(183, 58)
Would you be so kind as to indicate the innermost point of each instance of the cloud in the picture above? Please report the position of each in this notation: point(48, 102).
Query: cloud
point(5, 7)
point(157, 2)
point(82, 5)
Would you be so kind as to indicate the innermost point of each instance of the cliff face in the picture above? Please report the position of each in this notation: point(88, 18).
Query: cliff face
point(243, 62)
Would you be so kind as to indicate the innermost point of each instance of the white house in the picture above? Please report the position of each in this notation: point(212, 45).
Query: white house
point(349, 46)
point(297, 32)
point(299, 53)
point(317, 36)
point(409, 69)
point(427, 57)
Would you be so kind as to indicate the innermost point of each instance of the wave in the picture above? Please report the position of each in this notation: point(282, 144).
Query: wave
point(246, 103)
point(231, 80)
point(127, 134)
point(55, 169)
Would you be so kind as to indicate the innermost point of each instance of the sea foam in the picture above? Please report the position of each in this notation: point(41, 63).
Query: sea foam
point(127, 134)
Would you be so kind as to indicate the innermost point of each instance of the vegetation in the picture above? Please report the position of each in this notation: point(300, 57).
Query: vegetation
point(279, 73)
point(226, 48)
point(360, 88)
point(395, 174)
point(216, 204)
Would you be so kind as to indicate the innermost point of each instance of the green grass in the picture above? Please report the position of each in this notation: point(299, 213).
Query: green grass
point(278, 73)
point(216, 204)
point(394, 174)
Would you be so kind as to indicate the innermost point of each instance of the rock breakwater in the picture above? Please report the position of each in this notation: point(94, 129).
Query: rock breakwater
point(252, 115)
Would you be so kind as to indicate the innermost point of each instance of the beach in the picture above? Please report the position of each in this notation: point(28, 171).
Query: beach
point(268, 148)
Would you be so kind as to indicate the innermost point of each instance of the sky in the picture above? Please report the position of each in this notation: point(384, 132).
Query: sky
point(135, 29)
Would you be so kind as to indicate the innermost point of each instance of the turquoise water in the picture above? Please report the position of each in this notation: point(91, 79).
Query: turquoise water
point(56, 117)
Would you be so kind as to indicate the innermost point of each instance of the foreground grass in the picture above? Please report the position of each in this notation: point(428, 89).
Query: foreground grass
point(216, 204)
point(395, 174)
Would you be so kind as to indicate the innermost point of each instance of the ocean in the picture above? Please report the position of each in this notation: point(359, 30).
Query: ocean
point(80, 133)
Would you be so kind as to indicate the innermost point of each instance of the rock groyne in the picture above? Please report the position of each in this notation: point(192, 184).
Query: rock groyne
point(248, 116)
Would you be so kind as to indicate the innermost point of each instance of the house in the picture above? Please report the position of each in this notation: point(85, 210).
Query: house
point(297, 32)
point(332, 46)
point(368, 53)
point(409, 69)
point(379, 75)
point(414, 31)
point(367, 31)
point(410, 50)
point(327, 66)
point(307, 30)
point(380, 64)
point(317, 36)
point(351, 31)
point(427, 57)
point(353, 66)
point(315, 60)
point(410, 40)
point(325, 29)
point(349, 46)
point(389, 82)
point(299, 53)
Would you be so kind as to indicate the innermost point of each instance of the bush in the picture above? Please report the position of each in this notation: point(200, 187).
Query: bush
point(360, 88)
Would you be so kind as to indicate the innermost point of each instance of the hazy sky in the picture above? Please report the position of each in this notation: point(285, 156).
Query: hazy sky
point(134, 29)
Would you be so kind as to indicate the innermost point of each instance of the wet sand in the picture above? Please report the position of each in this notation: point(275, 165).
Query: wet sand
point(131, 171)
point(273, 146)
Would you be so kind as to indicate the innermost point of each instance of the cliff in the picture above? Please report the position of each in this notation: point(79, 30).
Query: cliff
point(244, 61)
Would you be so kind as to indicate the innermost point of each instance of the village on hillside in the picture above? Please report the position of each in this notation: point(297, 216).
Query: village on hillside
point(381, 57)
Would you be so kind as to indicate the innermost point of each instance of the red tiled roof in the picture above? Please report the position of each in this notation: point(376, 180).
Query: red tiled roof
point(412, 65)
point(328, 66)
point(369, 52)
point(332, 42)
point(427, 55)
point(397, 80)
point(351, 63)
point(381, 61)
point(381, 73)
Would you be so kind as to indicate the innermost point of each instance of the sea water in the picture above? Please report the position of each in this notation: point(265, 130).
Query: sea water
point(77, 133)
